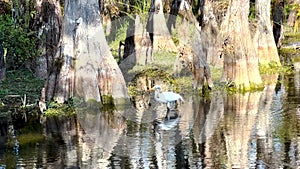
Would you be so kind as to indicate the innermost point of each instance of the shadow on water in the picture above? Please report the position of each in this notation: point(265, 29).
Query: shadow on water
point(251, 130)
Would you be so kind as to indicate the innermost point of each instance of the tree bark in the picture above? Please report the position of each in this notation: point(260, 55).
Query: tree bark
point(138, 43)
point(209, 34)
point(291, 18)
point(174, 9)
point(264, 40)
point(201, 70)
point(198, 45)
point(86, 67)
point(240, 62)
point(48, 22)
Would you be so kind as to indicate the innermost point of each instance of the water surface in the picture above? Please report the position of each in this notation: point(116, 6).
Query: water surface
point(251, 130)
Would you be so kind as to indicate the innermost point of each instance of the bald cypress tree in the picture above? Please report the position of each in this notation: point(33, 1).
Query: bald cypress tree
point(240, 59)
point(84, 65)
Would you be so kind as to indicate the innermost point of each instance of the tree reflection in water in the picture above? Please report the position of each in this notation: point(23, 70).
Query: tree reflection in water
point(250, 130)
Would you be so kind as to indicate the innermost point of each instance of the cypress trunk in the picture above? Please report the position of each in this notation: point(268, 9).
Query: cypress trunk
point(85, 65)
point(264, 40)
point(48, 22)
point(240, 60)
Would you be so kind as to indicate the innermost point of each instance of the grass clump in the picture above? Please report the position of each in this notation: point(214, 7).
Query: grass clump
point(289, 53)
point(290, 37)
point(270, 68)
point(152, 74)
point(65, 109)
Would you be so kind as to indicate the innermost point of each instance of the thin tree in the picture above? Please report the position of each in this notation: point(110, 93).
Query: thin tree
point(2, 63)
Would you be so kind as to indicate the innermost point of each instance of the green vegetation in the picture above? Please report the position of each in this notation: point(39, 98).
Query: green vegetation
point(291, 37)
point(118, 35)
point(270, 68)
point(18, 85)
point(163, 60)
point(288, 52)
point(19, 43)
point(30, 138)
point(296, 59)
point(151, 74)
point(76, 105)
point(66, 109)
point(62, 110)
point(140, 6)
point(252, 11)
point(289, 128)
point(107, 99)
point(19, 94)
point(232, 88)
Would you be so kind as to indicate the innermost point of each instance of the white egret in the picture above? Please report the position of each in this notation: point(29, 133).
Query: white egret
point(166, 97)
point(169, 98)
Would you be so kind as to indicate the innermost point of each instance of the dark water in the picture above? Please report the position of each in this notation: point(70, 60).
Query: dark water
point(251, 130)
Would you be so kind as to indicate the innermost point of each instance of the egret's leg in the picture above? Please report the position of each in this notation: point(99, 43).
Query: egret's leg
point(168, 114)
point(171, 105)
point(168, 105)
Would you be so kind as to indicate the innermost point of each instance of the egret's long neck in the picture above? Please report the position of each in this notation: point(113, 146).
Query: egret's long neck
point(156, 94)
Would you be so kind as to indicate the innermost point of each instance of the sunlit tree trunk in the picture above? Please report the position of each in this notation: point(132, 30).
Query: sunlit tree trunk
point(209, 33)
point(138, 44)
point(48, 24)
point(240, 60)
point(199, 44)
point(292, 15)
point(86, 67)
point(293, 19)
point(264, 40)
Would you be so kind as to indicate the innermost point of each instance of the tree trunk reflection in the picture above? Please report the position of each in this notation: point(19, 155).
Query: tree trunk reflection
point(249, 130)
point(263, 127)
